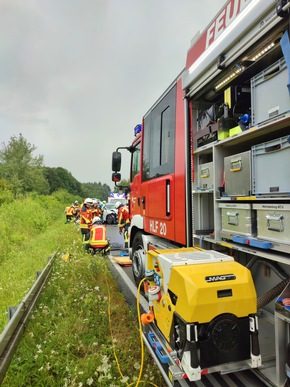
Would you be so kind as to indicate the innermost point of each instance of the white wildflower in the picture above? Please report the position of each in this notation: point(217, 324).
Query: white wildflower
point(125, 379)
point(136, 366)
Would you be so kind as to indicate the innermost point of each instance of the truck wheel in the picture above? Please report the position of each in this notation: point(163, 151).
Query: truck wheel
point(138, 258)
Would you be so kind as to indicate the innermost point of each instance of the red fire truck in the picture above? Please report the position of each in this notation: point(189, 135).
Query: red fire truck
point(210, 171)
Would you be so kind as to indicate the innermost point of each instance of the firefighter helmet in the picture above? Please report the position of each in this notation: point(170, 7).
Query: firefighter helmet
point(88, 201)
point(118, 205)
point(97, 220)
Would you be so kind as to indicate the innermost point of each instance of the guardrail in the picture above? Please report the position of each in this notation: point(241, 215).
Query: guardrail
point(13, 331)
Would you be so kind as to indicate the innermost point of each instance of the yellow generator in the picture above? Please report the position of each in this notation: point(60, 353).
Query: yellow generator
point(202, 314)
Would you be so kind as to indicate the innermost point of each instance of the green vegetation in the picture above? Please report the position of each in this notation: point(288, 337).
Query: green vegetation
point(81, 332)
point(22, 174)
point(20, 169)
point(30, 233)
point(122, 186)
point(96, 190)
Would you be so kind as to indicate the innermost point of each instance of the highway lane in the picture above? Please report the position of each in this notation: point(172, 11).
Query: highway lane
point(117, 242)
point(123, 274)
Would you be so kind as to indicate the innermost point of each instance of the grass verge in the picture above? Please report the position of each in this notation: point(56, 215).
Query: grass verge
point(81, 332)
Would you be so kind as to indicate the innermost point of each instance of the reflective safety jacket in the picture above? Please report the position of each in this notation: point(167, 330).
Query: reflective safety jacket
point(96, 211)
point(76, 209)
point(70, 210)
point(123, 217)
point(98, 236)
point(85, 218)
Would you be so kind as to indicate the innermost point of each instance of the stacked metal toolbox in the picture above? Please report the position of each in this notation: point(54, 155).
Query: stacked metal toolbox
point(270, 167)
point(269, 93)
point(237, 170)
point(205, 176)
point(273, 224)
point(263, 171)
point(237, 219)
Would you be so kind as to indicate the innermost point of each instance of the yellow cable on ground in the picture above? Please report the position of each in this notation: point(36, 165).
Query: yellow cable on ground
point(141, 336)
point(110, 325)
point(140, 330)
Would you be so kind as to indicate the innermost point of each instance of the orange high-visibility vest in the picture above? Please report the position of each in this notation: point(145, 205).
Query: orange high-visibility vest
point(75, 209)
point(70, 211)
point(123, 216)
point(98, 236)
point(85, 218)
point(96, 212)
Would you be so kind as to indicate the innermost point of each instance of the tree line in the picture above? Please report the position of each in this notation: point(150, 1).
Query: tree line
point(22, 173)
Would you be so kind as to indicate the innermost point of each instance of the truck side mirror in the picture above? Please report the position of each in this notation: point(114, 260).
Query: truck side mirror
point(116, 161)
point(116, 177)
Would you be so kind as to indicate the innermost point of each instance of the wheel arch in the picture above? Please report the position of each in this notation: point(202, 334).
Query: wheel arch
point(137, 225)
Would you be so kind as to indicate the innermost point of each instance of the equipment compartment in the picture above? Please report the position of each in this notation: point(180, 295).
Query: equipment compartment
point(205, 176)
point(237, 169)
point(237, 219)
point(270, 167)
point(273, 224)
point(206, 135)
point(269, 92)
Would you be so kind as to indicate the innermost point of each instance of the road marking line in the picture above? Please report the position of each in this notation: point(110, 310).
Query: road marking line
point(131, 285)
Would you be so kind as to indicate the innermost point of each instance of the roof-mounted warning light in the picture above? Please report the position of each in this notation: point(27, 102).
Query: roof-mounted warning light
point(137, 129)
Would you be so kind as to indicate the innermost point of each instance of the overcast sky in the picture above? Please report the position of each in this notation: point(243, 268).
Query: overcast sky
point(76, 76)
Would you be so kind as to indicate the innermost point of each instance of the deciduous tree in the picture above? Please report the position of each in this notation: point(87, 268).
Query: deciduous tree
point(22, 170)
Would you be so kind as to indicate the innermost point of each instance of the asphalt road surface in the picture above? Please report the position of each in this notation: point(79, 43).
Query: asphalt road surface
point(122, 273)
point(116, 240)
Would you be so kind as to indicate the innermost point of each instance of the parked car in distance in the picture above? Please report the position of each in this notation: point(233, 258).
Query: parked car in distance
point(110, 214)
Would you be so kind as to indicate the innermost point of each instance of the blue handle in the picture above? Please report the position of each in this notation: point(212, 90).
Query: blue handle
point(162, 355)
point(160, 352)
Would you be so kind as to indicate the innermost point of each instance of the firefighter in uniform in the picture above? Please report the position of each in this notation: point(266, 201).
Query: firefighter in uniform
point(98, 237)
point(76, 211)
point(66, 210)
point(123, 221)
point(85, 222)
point(69, 213)
point(102, 207)
point(96, 211)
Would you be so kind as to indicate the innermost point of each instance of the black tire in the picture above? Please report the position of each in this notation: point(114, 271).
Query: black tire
point(110, 219)
point(138, 257)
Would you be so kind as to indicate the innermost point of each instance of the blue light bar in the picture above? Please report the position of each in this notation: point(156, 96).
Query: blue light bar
point(137, 129)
